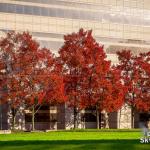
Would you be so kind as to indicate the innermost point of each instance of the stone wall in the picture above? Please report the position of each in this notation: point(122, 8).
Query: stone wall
point(124, 117)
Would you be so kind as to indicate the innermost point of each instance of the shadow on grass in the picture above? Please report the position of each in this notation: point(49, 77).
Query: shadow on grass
point(74, 145)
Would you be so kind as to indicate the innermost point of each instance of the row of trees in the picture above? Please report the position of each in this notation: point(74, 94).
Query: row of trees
point(80, 76)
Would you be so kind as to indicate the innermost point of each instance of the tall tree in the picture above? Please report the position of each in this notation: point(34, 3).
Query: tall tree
point(116, 95)
point(102, 87)
point(12, 89)
point(143, 100)
point(128, 64)
point(30, 72)
point(46, 84)
point(71, 60)
point(86, 72)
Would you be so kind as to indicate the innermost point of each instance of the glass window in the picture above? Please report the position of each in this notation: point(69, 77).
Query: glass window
point(28, 10)
point(75, 14)
point(83, 15)
point(60, 13)
point(88, 117)
point(98, 16)
point(37, 11)
point(3, 7)
point(11, 8)
point(20, 9)
point(52, 12)
point(124, 17)
point(90, 15)
point(44, 12)
point(68, 14)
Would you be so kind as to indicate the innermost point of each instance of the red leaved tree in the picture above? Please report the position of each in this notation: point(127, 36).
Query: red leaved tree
point(12, 87)
point(132, 78)
point(71, 60)
point(143, 100)
point(45, 84)
point(101, 83)
point(86, 72)
point(30, 72)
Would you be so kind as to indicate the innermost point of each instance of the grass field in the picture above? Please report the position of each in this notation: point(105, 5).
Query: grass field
point(79, 140)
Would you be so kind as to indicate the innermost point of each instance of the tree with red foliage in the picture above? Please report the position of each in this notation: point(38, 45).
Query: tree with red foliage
point(12, 87)
point(32, 78)
point(101, 87)
point(135, 78)
point(47, 83)
point(71, 58)
point(143, 101)
point(117, 93)
point(86, 73)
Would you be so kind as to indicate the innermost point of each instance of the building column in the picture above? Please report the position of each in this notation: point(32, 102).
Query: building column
point(124, 117)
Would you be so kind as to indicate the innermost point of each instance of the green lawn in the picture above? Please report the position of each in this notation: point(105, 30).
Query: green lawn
point(64, 140)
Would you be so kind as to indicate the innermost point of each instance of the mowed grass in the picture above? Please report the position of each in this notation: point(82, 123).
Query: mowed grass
point(79, 140)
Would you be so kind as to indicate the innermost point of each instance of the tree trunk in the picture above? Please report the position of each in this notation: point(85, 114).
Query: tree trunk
point(132, 117)
point(13, 118)
point(75, 118)
point(50, 117)
point(1, 116)
point(97, 117)
point(13, 122)
point(119, 118)
point(33, 117)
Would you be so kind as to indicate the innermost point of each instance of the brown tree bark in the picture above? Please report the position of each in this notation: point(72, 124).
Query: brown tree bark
point(97, 118)
point(33, 117)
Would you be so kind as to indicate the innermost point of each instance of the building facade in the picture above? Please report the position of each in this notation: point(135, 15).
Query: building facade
point(118, 24)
